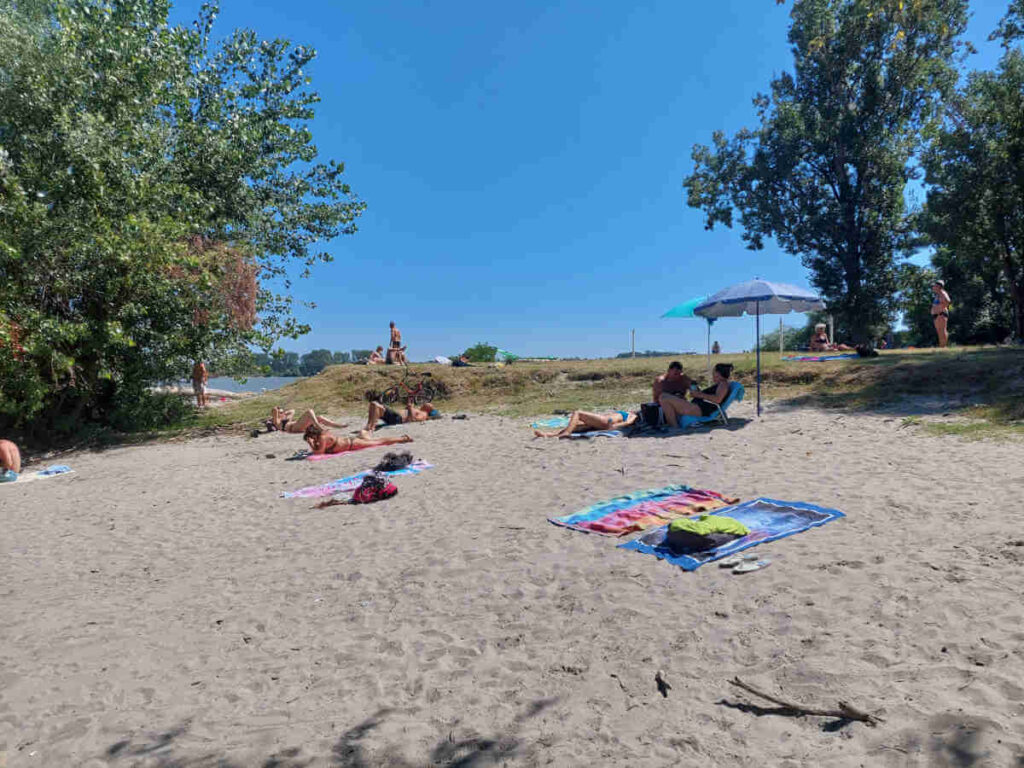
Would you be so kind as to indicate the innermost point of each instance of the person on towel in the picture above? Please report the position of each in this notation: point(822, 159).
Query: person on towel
point(413, 412)
point(705, 401)
point(321, 441)
point(10, 462)
point(584, 421)
point(284, 421)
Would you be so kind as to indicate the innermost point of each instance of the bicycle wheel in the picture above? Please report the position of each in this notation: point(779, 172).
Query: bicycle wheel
point(426, 394)
point(390, 396)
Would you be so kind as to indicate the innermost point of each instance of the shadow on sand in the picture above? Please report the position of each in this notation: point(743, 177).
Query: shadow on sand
point(164, 750)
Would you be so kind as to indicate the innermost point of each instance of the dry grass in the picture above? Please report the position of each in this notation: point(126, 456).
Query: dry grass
point(984, 385)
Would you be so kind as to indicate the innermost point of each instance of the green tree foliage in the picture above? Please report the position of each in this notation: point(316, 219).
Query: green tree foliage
point(975, 208)
point(825, 171)
point(361, 355)
point(340, 358)
point(155, 189)
point(315, 361)
point(482, 352)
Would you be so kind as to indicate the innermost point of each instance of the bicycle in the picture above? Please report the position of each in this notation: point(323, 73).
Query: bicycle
point(424, 391)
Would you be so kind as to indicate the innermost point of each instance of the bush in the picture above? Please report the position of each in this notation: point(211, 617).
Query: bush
point(482, 352)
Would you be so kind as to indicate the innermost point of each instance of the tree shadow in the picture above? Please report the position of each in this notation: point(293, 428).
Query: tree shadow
point(163, 750)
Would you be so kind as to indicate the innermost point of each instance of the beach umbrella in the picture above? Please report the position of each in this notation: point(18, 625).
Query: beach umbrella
point(758, 297)
point(686, 309)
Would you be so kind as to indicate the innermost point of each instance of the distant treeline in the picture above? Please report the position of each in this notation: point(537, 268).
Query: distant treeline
point(294, 364)
point(652, 353)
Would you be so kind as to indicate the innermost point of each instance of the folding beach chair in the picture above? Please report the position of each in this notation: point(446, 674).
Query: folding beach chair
point(736, 392)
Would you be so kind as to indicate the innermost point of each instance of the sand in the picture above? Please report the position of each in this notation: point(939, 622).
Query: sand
point(164, 607)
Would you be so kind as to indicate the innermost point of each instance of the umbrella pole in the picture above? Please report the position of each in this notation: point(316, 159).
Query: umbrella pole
point(709, 350)
point(757, 308)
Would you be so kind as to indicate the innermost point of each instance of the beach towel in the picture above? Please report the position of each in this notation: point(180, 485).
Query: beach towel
point(640, 510)
point(323, 456)
point(596, 433)
point(557, 422)
point(818, 358)
point(347, 484)
point(767, 519)
point(42, 474)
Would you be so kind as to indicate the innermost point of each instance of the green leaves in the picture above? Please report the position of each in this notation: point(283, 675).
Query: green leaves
point(825, 171)
point(153, 186)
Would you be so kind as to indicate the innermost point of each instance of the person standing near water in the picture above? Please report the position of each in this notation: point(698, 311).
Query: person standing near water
point(200, 377)
point(940, 311)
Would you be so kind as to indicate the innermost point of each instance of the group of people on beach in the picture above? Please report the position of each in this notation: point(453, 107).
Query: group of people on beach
point(395, 354)
point(669, 391)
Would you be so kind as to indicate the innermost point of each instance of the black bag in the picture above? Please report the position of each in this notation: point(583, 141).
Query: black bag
point(685, 541)
point(650, 414)
point(392, 462)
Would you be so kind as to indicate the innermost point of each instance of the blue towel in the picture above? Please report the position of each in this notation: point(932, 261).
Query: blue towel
point(601, 433)
point(558, 422)
point(767, 519)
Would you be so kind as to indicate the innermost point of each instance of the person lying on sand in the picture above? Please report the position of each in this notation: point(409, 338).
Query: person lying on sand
point(285, 421)
point(820, 342)
point(674, 382)
point(705, 401)
point(584, 421)
point(10, 462)
point(390, 417)
point(321, 441)
point(376, 357)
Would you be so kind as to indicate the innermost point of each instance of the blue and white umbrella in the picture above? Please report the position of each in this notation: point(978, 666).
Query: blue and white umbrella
point(758, 297)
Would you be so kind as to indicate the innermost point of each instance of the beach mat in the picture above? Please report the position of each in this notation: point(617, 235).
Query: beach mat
point(819, 358)
point(767, 519)
point(43, 474)
point(601, 433)
point(352, 482)
point(641, 510)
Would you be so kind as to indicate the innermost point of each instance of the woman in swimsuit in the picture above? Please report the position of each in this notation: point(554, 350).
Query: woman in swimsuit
point(285, 421)
point(323, 442)
point(940, 311)
point(584, 421)
point(820, 342)
point(705, 402)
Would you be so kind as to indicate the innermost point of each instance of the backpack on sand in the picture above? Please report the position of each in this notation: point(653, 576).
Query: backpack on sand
point(375, 487)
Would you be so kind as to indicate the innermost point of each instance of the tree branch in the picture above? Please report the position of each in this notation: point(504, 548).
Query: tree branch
point(845, 711)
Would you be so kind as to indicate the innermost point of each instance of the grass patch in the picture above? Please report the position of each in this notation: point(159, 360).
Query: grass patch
point(989, 378)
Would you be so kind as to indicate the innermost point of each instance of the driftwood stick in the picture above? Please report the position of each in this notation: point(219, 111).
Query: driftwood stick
point(845, 710)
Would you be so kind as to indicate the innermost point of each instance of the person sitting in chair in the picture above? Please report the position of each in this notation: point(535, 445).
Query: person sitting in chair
point(413, 412)
point(705, 401)
point(584, 421)
point(673, 382)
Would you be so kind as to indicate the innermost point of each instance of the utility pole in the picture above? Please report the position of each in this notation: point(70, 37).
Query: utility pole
point(632, 341)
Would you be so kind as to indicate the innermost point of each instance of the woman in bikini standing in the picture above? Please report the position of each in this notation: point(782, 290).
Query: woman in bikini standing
point(321, 441)
point(940, 311)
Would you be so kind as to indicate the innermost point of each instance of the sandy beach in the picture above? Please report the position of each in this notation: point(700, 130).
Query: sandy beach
point(163, 606)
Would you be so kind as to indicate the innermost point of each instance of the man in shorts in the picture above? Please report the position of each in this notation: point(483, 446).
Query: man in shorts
point(672, 382)
point(413, 412)
point(200, 376)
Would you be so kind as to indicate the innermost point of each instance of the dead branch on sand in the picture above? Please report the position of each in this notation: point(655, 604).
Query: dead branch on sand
point(845, 710)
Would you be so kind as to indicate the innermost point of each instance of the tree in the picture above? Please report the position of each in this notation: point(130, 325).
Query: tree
point(825, 171)
point(481, 352)
point(340, 358)
point(361, 355)
point(975, 208)
point(286, 364)
point(315, 361)
point(154, 185)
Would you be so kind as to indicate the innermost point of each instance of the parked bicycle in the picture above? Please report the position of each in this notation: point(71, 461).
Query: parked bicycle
point(418, 387)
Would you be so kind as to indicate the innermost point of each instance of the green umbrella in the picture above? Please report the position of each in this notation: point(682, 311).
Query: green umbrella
point(686, 310)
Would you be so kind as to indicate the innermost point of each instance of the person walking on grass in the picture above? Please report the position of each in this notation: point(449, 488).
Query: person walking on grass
point(940, 311)
point(200, 378)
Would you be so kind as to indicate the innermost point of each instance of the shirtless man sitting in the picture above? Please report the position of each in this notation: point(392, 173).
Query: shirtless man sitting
point(10, 462)
point(672, 382)
point(390, 417)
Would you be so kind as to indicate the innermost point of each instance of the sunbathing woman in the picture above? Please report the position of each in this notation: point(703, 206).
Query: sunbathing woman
point(584, 421)
point(322, 441)
point(10, 461)
point(413, 412)
point(285, 421)
point(705, 401)
point(820, 342)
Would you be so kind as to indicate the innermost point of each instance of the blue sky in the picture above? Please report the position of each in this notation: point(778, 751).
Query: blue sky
point(523, 163)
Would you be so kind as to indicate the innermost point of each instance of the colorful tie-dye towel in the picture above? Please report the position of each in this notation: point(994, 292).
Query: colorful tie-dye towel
point(767, 519)
point(640, 510)
point(347, 484)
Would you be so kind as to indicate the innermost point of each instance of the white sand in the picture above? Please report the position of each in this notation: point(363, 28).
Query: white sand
point(163, 607)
